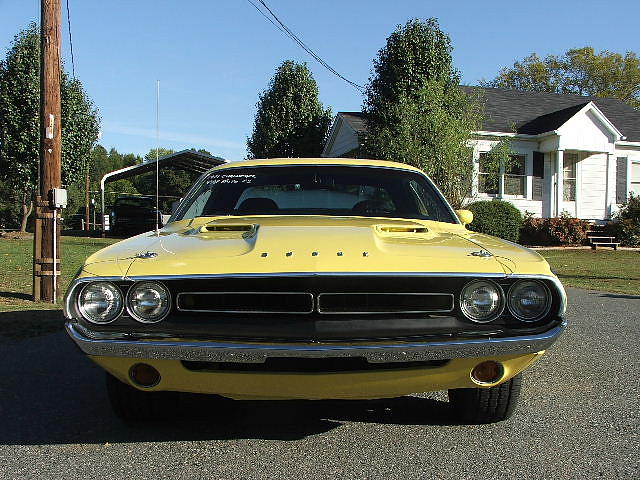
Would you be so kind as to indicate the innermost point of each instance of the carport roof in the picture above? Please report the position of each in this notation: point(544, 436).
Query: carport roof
point(190, 160)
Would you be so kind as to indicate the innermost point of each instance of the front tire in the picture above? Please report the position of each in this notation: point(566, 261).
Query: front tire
point(133, 405)
point(486, 405)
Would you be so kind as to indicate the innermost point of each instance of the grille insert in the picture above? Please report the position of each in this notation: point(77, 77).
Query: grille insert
point(246, 302)
point(371, 303)
point(309, 365)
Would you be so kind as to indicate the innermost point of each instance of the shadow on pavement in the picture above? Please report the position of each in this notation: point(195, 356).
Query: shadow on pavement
point(619, 295)
point(51, 394)
point(28, 323)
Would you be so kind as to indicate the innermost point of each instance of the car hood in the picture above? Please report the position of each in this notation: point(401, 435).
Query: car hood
point(298, 244)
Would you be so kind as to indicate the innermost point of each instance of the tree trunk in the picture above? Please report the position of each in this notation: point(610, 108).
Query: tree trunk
point(27, 208)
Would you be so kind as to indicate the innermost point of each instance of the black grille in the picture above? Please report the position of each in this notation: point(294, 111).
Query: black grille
point(246, 302)
point(362, 303)
point(310, 365)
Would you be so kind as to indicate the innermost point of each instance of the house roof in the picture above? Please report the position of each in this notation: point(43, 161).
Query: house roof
point(533, 113)
point(538, 112)
point(355, 120)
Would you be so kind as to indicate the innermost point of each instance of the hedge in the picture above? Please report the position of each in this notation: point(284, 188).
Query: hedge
point(497, 218)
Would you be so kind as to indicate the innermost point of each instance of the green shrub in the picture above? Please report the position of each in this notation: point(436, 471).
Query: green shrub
point(497, 218)
point(626, 224)
point(562, 230)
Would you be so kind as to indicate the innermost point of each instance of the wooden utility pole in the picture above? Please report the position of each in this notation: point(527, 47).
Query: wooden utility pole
point(46, 263)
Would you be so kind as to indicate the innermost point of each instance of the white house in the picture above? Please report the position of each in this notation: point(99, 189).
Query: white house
point(575, 154)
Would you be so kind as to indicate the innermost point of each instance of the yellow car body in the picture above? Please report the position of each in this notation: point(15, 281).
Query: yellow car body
point(272, 251)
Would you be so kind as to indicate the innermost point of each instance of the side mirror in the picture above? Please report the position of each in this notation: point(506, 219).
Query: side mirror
point(465, 216)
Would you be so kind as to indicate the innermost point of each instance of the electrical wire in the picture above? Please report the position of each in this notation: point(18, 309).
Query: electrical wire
point(267, 17)
point(73, 63)
point(287, 31)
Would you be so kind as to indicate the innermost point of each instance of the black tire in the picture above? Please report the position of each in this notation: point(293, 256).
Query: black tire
point(486, 405)
point(133, 405)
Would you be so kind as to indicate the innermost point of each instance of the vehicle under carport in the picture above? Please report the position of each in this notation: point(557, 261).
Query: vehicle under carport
point(189, 160)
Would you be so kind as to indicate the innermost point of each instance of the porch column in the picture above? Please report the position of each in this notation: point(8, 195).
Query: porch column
point(559, 191)
point(610, 200)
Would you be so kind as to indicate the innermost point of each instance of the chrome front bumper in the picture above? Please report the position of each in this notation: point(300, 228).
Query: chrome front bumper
point(123, 345)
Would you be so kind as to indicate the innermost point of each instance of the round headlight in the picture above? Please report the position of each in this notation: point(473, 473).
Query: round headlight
point(100, 302)
point(528, 300)
point(148, 302)
point(481, 301)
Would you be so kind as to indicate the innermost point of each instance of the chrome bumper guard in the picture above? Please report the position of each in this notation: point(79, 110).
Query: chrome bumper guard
point(124, 345)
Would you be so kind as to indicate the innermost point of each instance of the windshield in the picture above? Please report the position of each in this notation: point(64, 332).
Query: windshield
point(315, 190)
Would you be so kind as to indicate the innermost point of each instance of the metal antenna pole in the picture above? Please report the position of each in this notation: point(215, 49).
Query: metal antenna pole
point(157, 155)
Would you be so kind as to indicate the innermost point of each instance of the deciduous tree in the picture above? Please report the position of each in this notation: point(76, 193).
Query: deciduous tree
point(416, 112)
point(290, 120)
point(579, 71)
point(20, 123)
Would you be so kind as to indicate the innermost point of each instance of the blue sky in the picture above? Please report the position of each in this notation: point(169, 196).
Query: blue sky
point(213, 58)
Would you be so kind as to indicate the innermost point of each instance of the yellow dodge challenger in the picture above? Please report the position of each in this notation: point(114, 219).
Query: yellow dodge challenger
point(315, 279)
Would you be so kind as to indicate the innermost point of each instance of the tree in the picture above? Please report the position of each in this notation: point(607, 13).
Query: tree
point(20, 122)
point(579, 71)
point(290, 120)
point(416, 112)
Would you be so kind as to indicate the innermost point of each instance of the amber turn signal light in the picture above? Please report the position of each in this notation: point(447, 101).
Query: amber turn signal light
point(487, 372)
point(144, 375)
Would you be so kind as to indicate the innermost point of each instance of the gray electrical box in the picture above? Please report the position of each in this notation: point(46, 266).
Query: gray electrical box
point(58, 198)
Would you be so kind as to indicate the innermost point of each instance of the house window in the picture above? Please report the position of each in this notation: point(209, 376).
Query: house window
point(621, 180)
point(570, 163)
point(635, 178)
point(513, 178)
point(488, 178)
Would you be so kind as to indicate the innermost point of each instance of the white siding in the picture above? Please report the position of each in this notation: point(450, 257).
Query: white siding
point(345, 141)
point(585, 132)
point(593, 188)
point(524, 205)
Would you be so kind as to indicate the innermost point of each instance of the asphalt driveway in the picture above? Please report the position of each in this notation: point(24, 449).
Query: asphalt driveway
point(578, 418)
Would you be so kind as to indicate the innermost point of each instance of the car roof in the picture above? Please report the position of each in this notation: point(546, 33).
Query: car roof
point(316, 161)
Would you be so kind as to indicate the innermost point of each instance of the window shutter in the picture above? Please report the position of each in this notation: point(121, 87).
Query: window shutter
point(538, 175)
point(621, 179)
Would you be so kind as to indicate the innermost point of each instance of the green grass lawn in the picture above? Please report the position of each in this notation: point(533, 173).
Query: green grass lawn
point(16, 257)
point(606, 270)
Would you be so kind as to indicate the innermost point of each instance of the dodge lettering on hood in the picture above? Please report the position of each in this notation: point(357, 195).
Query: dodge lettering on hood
point(315, 279)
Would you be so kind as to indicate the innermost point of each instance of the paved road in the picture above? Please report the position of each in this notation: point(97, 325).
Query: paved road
point(578, 418)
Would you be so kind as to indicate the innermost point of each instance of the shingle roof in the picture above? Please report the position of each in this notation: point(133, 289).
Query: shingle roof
point(539, 112)
point(535, 112)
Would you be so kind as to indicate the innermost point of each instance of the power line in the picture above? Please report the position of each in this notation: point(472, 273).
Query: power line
point(267, 17)
point(73, 65)
point(287, 31)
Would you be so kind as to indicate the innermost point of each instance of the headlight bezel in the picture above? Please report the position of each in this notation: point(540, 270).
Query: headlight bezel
point(548, 298)
point(82, 310)
point(496, 313)
point(130, 307)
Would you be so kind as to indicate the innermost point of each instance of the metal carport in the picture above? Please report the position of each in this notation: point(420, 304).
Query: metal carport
point(190, 160)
